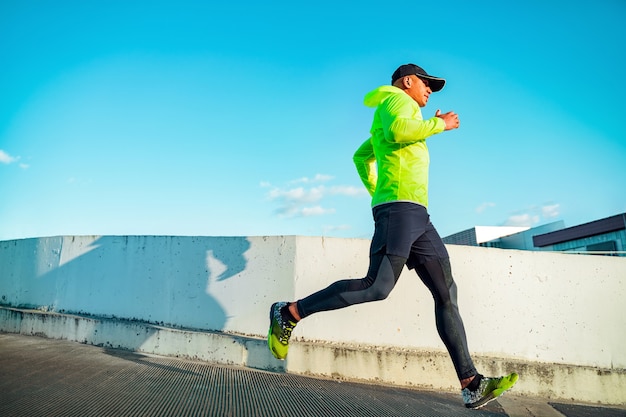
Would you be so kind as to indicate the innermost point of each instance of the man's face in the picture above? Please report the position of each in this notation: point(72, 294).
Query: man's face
point(419, 90)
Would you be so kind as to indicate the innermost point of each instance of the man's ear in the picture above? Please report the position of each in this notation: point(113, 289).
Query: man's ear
point(407, 81)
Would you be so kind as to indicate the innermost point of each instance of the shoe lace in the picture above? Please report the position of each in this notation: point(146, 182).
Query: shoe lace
point(285, 334)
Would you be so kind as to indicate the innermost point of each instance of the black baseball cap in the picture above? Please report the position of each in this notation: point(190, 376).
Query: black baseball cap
point(435, 83)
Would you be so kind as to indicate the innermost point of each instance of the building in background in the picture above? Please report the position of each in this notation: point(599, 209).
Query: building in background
point(600, 237)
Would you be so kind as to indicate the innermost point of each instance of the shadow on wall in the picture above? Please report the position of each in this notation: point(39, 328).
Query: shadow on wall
point(160, 280)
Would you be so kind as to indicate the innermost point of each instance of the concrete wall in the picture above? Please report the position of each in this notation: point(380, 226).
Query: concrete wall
point(213, 283)
point(560, 318)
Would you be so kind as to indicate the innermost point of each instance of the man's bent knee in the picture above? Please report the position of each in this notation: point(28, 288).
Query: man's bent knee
point(379, 287)
point(380, 293)
point(386, 277)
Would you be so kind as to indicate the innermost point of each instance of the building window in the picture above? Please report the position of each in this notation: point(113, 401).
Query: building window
point(604, 247)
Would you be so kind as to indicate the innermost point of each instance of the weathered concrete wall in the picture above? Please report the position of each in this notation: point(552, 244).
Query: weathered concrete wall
point(213, 283)
point(541, 306)
point(558, 318)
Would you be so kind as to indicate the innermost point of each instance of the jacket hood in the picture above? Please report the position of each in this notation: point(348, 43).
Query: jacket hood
point(380, 94)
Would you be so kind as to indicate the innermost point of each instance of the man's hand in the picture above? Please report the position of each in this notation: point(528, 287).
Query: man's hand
point(450, 118)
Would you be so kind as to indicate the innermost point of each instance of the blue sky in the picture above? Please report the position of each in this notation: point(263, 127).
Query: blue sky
point(241, 118)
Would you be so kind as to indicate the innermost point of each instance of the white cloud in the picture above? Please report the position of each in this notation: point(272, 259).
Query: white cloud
point(484, 206)
point(316, 211)
point(550, 211)
point(301, 195)
point(322, 177)
point(533, 215)
point(304, 201)
point(297, 195)
point(348, 190)
point(316, 178)
point(5, 158)
point(527, 220)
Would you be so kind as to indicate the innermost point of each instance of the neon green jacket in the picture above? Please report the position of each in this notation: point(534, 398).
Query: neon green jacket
point(393, 162)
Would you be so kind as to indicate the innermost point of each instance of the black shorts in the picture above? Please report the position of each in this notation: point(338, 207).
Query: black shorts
point(404, 229)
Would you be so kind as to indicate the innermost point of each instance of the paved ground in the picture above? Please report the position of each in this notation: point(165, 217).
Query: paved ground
point(45, 377)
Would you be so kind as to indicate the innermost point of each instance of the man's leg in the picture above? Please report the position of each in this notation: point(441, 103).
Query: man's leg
point(394, 223)
point(430, 259)
point(437, 276)
point(382, 276)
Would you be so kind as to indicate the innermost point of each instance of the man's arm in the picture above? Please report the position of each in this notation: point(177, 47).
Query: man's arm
point(402, 121)
point(365, 162)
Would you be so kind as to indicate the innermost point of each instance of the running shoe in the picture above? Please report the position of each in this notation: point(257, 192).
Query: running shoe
point(279, 332)
point(488, 390)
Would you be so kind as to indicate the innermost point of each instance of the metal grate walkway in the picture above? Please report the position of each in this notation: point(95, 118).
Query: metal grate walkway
point(45, 377)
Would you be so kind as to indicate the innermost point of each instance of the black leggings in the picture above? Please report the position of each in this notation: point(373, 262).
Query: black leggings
point(382, 276)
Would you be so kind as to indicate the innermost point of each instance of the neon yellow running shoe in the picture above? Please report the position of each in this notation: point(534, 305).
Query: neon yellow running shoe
point(488, 390)
point(279, 332)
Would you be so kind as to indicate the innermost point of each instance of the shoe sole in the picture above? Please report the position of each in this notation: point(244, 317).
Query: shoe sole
point(269, 345)
point(269, 336)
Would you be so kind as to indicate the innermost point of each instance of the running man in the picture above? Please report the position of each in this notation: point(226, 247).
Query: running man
point(393, 165)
